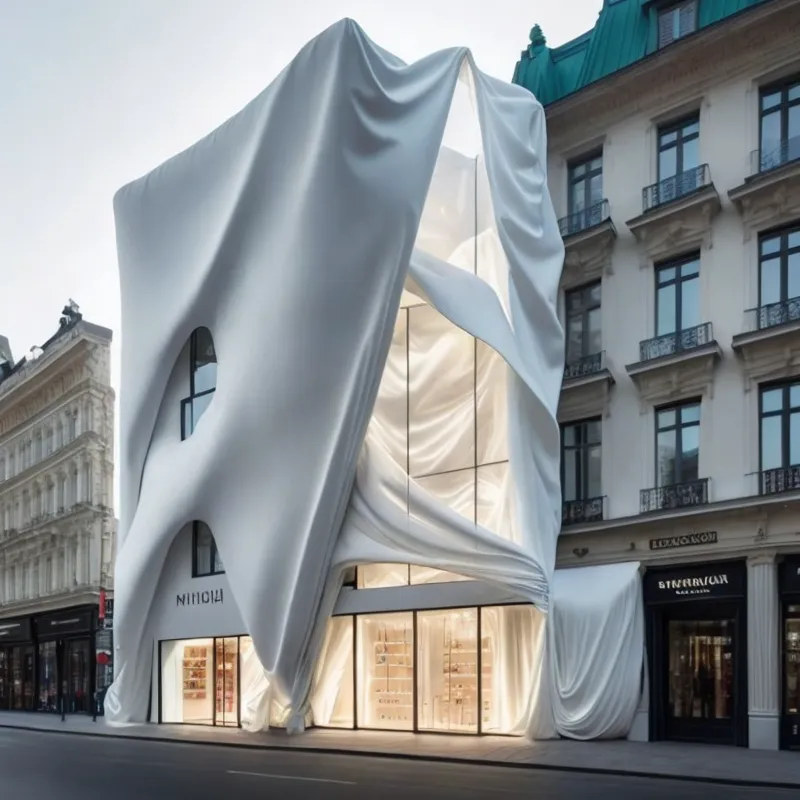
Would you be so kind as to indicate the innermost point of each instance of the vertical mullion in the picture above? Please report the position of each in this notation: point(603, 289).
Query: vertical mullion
point(355, 673)
point(479, 681)
point(786, 418)
point(214, 681)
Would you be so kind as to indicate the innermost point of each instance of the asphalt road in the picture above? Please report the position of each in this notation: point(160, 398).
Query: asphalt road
point(40, 766)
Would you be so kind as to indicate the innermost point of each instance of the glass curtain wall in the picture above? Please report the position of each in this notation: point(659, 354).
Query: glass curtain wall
point(464, 670)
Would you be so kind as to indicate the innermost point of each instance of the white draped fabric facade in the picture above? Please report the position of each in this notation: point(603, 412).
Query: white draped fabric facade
point(384, 313)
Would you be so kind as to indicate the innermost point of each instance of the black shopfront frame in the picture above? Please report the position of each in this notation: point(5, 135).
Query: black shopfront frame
point(789, 588)
point(71, 633)
point(713, 592)
point(17, 665)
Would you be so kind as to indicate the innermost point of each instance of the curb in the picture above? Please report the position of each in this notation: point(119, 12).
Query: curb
point(338, 751)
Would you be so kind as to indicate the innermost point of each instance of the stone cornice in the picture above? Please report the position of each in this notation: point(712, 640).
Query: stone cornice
point(87, 385)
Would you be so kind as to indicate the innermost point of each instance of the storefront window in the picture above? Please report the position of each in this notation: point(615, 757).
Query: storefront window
point(385, 671)
point(22, 678)
point(78, 664)
point(511, 639)
point(4, 693)
point(447, 662)
point(48, 677)
point(701, 669)
point(227, 682)
point(187, 690)
point(791, 649)
point(382, 576)
point(332, 694)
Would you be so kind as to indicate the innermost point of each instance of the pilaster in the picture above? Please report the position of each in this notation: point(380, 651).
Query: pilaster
point(763, 673)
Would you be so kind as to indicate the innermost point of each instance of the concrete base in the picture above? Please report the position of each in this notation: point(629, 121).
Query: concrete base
point(640, 729)
point(764, 731)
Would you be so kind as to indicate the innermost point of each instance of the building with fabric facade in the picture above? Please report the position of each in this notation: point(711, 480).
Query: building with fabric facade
point(674, 165)
point(354, 524)
point(57, 525)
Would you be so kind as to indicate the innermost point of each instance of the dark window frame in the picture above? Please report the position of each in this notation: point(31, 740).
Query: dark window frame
point(677, 127)
point(678, 427)
point(784, 85)
point(583, 291)
point(678, 281)
point(785, 413)
point(187, 404)
point(214, 553)
point(586, 178)
point(582, 461)
point(670, 9)
point(783, 253)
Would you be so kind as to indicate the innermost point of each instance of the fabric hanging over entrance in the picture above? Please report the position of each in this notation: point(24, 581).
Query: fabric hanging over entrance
point(291, 233)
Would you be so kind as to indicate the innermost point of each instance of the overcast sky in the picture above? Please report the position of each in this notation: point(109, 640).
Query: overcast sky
point(95, 93)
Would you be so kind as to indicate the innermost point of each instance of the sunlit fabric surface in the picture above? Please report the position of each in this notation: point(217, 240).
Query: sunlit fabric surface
point(390, 357)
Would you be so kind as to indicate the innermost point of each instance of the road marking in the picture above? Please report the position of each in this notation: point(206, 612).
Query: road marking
point(289, 777)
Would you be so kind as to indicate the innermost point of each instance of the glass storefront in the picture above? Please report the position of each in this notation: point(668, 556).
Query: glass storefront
point(464, 670)
point(19, 677)
point(701, 669)
point(200, 680)
point(78, 664)
point(48, 677)
point(697, 652)
point(791, 661)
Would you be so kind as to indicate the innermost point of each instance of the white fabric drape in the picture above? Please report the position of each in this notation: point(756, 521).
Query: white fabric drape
point(290, 233)
point(332, 691)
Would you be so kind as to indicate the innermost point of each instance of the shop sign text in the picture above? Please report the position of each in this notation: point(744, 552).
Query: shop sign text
point(206, 598)
point(688, 586)
point(687, 540)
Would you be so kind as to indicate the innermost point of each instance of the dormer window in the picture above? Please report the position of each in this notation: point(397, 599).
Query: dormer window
point(676, 21)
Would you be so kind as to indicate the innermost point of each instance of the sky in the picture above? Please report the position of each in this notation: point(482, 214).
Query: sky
point(96, 93)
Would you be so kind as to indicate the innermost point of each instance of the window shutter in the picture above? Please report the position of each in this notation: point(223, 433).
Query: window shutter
point(688, 18)
point(665, 29)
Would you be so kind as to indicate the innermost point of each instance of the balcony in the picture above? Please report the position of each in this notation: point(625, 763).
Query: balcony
point(676, 364)
point(778, 481)
point(771, 193)
point(589, 236)
point(677, 213)
point(576, 512)
point(585, 388)
point(770, 342)
point(676, 496)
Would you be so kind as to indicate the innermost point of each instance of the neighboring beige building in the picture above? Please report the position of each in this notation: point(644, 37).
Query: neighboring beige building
point(674, 165)
point(57, 523)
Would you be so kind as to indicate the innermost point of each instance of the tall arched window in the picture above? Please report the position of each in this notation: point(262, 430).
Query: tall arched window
point(202, 380)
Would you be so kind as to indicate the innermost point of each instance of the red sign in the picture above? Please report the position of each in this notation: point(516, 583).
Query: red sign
point(102, 612)
point(103, 658)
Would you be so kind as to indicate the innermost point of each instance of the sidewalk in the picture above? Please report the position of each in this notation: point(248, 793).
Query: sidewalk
point(726, 765)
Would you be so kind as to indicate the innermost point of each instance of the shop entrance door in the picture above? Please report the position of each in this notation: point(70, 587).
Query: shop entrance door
point(700, 666)
point(790, 720)
point(77, 665)
point(226, 710)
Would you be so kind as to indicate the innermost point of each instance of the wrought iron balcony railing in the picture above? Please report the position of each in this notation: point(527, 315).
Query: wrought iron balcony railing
point(779, 480)
point(678, 495)
point(675, 187)
point(773, 157)
point(573, 512)
point(671, 343)
point(586, 366)
point(584, 219)
point(773, 314)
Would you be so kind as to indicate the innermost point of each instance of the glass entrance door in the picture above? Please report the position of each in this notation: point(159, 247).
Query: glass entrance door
point(77, 663)
point(791, 677)
point(701, 681)
point(227, 682)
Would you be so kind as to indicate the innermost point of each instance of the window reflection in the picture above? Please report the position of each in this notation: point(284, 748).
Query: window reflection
point(780, 426)
point(701, 669)
point(678, 444)
point(581, 444)
point(206, 557)
point(677, 297)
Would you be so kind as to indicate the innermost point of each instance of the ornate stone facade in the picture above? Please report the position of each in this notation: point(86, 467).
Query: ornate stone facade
point(57, 525)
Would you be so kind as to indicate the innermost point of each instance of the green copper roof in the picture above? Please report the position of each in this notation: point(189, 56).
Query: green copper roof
point(625, 32)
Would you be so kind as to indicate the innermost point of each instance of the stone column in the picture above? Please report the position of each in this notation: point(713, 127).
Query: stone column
point(763, 651)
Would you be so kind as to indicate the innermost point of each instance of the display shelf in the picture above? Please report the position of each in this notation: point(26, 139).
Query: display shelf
point(195, 673)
